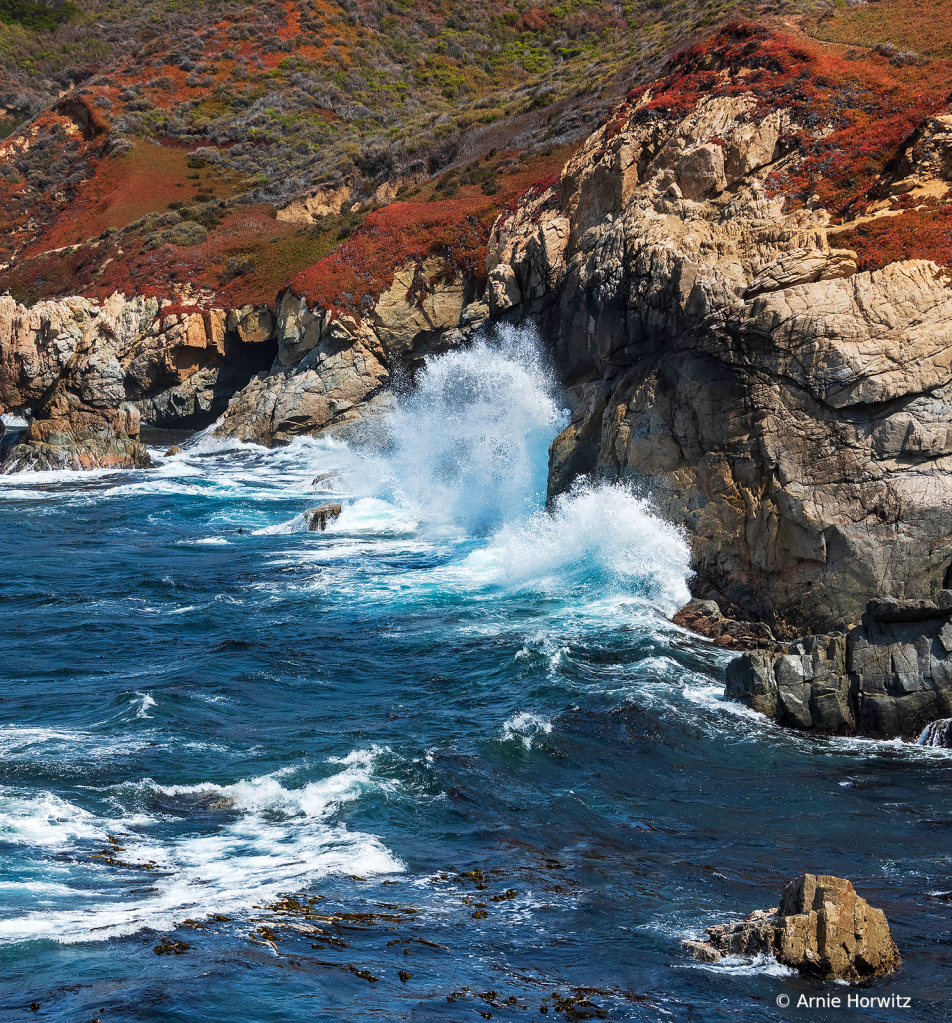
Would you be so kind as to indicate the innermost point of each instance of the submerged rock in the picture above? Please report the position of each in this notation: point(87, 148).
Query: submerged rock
point(890, 676)
point(821, 927)
point(317, 518)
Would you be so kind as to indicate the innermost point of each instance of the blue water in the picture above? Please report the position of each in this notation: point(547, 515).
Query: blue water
point(207, 709)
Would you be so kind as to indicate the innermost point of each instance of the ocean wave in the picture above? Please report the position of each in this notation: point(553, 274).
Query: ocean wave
point(272, 837)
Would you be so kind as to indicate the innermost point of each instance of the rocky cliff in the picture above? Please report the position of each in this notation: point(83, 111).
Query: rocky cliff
point(742, 273)
point(727, 351)
point(88, 374)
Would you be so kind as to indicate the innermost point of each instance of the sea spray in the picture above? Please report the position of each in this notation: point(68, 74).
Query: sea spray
point(469, 443)
point(601, 538)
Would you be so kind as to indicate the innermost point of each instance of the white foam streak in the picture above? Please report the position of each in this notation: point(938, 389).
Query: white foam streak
point(272, 838)
point(524, 727)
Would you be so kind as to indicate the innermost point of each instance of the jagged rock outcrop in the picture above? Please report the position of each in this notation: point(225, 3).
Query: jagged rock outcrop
point(890, 676)
point(88, 373)
point(821, 927)
point(705, 618)
point(326, 367)
point(330, 368)
point(790, 412)
point(310, 206)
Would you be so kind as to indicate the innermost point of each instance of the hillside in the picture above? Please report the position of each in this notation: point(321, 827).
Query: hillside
point(165, 141)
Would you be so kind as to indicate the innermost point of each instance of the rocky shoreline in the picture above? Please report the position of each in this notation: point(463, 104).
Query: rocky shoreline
point(718, 348)
point(889, 676)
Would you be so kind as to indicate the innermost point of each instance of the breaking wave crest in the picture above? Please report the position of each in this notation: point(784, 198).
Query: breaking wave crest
point(269, 837)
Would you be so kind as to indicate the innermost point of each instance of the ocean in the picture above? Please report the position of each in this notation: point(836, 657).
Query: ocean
point(446, 760)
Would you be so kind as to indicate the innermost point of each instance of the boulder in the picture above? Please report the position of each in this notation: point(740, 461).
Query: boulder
point(821, 927)
point(317, 518)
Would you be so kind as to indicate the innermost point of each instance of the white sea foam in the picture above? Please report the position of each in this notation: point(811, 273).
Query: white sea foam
point(272, 837)
point(44, 820)
point(524, 727)
point(22, 742)
point(598, 536)
point(468, 446)
point(142, 702)
point(762, 965)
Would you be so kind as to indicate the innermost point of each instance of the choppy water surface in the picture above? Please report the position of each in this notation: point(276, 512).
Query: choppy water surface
point(447, 760)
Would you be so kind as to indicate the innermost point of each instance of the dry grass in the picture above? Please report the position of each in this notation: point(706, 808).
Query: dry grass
point(923, 26)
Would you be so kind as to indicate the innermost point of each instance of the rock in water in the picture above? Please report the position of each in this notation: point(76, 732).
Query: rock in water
point(938, 733)
point(890, 676)
point(704, 617)
point(821, 927)
point(317, 518)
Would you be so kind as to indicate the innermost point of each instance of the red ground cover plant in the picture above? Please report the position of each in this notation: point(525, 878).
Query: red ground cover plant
point(921, 233)
point(352, 277)
point(855, 115)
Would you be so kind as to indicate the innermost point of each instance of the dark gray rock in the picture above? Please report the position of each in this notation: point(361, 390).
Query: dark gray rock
point(805, 688)
point(937, 734)
point(890, 676)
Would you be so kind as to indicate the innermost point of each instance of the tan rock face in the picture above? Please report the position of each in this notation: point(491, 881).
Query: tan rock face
point(327, 368)
point(400, 316)
point(331, 368)
point(790, 412)
point(820, 927)
point(89, 372)
point(825, 927)
point(318, 203)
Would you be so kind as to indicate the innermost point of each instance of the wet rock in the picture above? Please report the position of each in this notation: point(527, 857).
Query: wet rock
point(890, 676)
point(169, 946)
point(805, 688)
point(704, 617)
point(318, 518)
point(77, 437)
point(938, 733)
point(821, 927)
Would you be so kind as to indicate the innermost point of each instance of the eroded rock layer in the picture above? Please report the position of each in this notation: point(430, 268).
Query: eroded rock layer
point(87, 374)
point(890, 676)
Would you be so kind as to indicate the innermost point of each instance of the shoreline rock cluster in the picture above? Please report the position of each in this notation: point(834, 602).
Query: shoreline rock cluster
point(889, 676)
point(788, 410)
point(86, 374)
point(821, 927)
